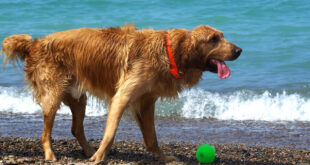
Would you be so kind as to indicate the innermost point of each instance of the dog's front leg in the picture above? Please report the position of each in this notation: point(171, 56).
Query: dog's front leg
point(118, 104)
point(126, 93)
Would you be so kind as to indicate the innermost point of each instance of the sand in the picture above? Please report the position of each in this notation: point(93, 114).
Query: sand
point(17, 150)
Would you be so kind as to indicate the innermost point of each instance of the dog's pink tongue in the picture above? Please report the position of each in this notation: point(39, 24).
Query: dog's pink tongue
point(222, 69)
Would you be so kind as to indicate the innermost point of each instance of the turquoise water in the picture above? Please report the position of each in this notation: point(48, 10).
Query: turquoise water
point(271, 77)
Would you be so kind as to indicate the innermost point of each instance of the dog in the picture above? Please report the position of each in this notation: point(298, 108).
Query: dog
point(127, 67)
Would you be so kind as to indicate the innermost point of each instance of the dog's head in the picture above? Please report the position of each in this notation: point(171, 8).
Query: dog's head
point(209, 50)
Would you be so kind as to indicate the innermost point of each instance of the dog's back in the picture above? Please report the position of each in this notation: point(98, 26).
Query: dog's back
point(83, 58)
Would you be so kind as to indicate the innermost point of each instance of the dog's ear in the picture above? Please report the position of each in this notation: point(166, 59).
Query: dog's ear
point(196, 36)
point(202, 33)
point(180, 36)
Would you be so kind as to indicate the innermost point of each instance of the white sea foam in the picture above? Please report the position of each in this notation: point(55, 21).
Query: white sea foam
point(195, 103)
point(246, 105)
point(17, 100)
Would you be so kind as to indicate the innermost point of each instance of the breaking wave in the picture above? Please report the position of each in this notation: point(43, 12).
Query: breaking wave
point(195, 103)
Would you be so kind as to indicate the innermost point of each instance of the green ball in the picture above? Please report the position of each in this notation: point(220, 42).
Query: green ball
point(205, 154)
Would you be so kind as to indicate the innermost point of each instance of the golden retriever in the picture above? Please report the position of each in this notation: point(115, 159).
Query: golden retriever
point(129, 68)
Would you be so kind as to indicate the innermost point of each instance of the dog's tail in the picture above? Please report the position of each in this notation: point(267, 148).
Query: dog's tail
point(16, 46)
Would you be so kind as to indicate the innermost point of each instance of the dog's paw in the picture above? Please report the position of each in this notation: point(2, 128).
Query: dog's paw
point(98, 158)
point(89, 152)
point(49, 156)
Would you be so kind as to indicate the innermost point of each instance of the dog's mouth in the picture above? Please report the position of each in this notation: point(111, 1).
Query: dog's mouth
point(219, 67)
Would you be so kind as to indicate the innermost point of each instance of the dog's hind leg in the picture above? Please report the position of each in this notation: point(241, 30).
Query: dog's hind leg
point(50, 103)
point(144, 115)
point(77, 107)
point(48, 85)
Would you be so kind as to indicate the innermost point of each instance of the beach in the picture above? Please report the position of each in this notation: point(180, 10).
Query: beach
point(235, 142)
point(28, 151)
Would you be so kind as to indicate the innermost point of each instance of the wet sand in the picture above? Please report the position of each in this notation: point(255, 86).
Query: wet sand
point(236, 142)
point(17, 150)
point(270, 134)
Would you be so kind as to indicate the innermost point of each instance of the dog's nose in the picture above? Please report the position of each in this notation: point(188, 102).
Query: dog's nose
point(237, 51)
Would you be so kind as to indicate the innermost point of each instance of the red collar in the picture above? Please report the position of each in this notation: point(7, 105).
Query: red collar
point(174, 69)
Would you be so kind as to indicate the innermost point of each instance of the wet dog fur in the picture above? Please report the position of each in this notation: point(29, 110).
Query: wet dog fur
point(127, 67)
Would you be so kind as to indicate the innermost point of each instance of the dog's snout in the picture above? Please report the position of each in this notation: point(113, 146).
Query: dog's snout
point(237, 51)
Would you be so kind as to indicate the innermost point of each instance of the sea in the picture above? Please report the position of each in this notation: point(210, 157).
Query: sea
point(265, 101)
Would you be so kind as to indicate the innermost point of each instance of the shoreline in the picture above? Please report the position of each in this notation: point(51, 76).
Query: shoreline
point(251, 133)
point(20, 150)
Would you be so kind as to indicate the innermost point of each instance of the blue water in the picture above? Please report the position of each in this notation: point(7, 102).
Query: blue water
point(271, 77)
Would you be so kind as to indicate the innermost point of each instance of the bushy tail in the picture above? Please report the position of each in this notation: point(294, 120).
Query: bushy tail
point(16, 46)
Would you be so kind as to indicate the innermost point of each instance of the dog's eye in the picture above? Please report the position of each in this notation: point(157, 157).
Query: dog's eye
point(214, 39)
